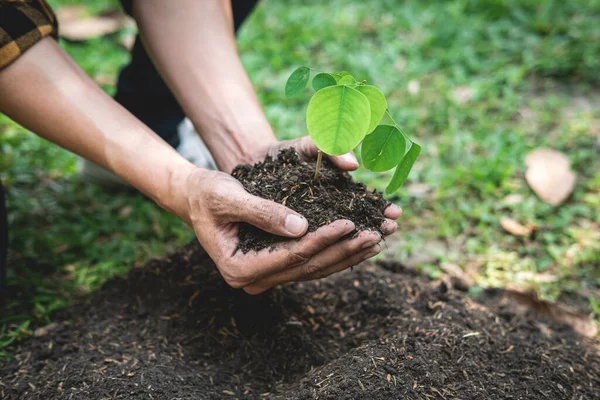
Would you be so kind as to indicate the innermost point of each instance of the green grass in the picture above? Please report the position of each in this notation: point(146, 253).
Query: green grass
point(530, 72)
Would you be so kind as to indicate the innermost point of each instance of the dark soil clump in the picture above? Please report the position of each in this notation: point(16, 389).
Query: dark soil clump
point(173, 330)
point(289, 181)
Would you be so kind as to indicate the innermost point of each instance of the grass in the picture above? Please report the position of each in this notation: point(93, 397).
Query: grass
point(478, 83)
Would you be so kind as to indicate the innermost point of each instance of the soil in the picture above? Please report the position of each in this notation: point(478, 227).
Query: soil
point(289, 181)
point(173, 330)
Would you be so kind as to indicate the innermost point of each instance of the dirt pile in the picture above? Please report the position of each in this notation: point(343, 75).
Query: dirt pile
point(289, 181)
point(173, 329)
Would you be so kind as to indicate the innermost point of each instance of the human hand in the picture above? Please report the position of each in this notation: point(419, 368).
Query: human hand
point(215, 204)
point(347, 162)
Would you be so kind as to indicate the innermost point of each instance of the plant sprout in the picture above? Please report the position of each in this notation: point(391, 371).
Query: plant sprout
point(343, 113)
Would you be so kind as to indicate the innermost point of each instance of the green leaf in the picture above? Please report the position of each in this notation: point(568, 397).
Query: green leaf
point(347, 80)
point(323, 80)
point(297, 82)
point(377, 102)
point(403, 169)
point(339, 75)
point(383, 149)
point(337, 118)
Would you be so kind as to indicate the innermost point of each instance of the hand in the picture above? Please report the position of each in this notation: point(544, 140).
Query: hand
point(347, 162)
point(214, 205)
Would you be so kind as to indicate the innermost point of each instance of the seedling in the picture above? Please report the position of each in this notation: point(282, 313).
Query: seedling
point(343, 112)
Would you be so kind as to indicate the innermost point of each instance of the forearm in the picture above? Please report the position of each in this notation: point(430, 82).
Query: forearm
point(45, 91)
point(193, 45)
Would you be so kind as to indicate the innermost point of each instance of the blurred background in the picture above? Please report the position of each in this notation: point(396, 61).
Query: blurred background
point(480, 84)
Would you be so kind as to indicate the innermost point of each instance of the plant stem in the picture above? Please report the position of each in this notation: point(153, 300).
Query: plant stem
point(396, 125)
point(319, 157)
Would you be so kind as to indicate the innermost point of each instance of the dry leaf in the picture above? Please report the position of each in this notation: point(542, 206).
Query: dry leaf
point(579, 322)
point(514, 228)
point(44, 330)
point(419, 190)
point(462, 94)
point(87, 28)
point(414, 87)
point(513, 199)
point(549, 175)
point(458, 278)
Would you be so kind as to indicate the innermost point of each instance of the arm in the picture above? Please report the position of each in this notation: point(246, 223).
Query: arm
point(45, 91)
point(192, 43)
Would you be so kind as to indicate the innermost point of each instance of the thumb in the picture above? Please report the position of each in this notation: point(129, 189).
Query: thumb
point(307, 149)
point(269, 216)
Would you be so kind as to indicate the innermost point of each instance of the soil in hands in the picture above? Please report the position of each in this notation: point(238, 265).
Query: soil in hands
point(289, 181)
point(173, 330)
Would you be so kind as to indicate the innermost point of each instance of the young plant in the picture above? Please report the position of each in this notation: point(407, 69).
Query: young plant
point(343, 113)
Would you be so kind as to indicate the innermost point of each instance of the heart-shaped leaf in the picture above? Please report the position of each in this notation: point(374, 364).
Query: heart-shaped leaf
point(323, 80)
point(383, 149)
point(377, 102)
point(403, 169)
point(347, 80)
point(297, 82)
point(339, 75)
point(550, 176)
point(337, 119)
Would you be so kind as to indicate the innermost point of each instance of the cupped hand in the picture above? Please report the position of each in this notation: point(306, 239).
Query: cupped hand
point(215, 204)
point(347, 162)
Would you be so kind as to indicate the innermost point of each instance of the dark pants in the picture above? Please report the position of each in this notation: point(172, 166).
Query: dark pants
point(3, 238)
point(143, 92)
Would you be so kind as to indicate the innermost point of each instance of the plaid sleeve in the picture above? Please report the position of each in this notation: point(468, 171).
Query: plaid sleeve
point(23, 23)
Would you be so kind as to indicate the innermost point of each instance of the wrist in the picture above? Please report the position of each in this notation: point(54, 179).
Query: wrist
point(236, 141)
point(175, 199)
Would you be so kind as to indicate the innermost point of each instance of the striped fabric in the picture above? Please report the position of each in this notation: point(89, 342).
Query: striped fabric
point(23, 23)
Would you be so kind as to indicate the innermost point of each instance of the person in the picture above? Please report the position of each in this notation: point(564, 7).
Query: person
point(184, 64)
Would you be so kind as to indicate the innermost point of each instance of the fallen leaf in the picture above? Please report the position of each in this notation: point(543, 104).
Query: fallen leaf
point(458, 278)
point(419, 190)
point(513, 199)
point(462, 94)
point(82, 29)
point(414, 87)
point(44, 330)
point(514, 228)
point(125, 211)
point(549, 175)
point(578, 322)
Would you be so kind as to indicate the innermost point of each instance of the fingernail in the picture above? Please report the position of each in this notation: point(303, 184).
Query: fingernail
point(371, 243)
point(376, 250)
point(295, 224)
point(349, 158)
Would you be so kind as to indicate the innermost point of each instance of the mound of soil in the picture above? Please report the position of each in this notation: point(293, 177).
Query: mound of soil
point(173, 330)
point(289, 181)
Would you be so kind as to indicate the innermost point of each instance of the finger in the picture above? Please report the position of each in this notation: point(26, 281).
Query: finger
point(392, 212)
point(308, 150)
point(389, 226)
point(332, 255)
point(350, 262)
point(265, 214)
point(268, 262)
point(346, 162)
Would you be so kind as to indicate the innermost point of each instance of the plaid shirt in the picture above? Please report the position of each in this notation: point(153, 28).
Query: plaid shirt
point(23, 23)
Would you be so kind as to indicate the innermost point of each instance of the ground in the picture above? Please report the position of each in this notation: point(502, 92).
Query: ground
point(173, 329)
point(478, 84)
